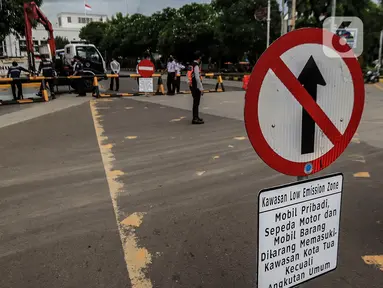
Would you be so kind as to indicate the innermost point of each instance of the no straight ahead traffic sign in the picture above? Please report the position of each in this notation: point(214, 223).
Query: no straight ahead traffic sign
point(302, 107)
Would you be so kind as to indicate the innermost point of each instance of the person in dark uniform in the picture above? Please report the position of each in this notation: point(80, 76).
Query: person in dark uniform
point(14, 72)
point(196, 89)
point(46, 66)
point(78, 71)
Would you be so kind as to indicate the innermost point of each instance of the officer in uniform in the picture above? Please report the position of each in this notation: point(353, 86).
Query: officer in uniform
point(115, 67)
point(196, 89)
point(78, 71)
point(14, 72)
point(46, 66)
point(171, 75)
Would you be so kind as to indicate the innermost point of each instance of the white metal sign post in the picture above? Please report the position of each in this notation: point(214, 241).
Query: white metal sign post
point(298, 231)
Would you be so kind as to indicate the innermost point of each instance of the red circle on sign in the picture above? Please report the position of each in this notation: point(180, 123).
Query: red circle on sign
point(269, 60)
point(146, 68)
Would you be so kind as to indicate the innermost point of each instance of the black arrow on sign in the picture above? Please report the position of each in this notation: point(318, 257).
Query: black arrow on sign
point(310, 78)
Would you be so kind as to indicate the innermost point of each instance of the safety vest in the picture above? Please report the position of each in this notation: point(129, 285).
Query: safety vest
point(190, 77)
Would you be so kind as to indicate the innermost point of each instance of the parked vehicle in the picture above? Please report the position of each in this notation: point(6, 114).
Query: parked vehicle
point(371, 76)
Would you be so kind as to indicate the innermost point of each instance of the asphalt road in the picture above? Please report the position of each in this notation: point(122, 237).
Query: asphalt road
point(184, 196)
point(129, 85)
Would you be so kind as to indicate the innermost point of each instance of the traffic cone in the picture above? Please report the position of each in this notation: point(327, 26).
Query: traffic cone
point(96, 89)
point(219, 83)
point(160, 87)
point(45, 92)
point(245, 81)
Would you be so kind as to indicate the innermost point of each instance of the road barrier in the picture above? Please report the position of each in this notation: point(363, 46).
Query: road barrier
point(97, 93)
point(27, 80)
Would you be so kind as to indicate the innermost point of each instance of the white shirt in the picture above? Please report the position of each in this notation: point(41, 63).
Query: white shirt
point(179, 67)
point(197, 75)
point(115, 66)
point(172, 66)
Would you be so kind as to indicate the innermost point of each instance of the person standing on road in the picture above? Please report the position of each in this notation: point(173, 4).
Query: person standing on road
point(179, 68)
point(115, 67)
point(78, 71)
point(46, 66)
point(196, 89)
point(171, 75)
point(14, 72)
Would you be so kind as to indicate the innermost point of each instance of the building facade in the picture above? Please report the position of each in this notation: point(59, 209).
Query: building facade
point(67, 25)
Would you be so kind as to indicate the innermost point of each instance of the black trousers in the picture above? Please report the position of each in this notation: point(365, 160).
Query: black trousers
point(170, 82)
point(178, 84)
point(196, 93)
point(117, 83)
point(19, 87)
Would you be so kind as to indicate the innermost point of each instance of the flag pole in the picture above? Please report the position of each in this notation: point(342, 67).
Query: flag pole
point(85, 7)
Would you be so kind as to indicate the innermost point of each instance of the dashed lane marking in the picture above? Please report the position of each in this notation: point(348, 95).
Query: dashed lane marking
point(357, 158)
point(376, 260)
point(177, 119)
point(362, 175)
point(240, 138)
point(131, 137)
point(137, 259)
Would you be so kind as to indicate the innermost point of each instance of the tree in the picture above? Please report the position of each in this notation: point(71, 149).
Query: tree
point(12, 17)
point(61, 42)
point(191, 29)
point(238, 31)
point(94, 32)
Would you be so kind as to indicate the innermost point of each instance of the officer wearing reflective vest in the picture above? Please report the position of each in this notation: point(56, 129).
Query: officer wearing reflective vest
point(189, 75)
point(14, 72)
point(196, 89)
point(46, 67)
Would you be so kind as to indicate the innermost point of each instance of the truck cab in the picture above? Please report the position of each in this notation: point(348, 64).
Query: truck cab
point(91, 57)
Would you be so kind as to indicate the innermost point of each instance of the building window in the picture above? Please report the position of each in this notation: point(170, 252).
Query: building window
point(83, 20)
point(36, 46)
point(23, 45)
point(60, 24)
point(69, 19)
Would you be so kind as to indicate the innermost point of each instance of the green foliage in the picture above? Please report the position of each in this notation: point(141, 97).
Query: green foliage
point(224, 30)
point(94, 32)
point(12, 17)
point(61, 42)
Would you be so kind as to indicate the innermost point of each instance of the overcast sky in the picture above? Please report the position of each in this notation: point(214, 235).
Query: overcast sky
point(52, 7)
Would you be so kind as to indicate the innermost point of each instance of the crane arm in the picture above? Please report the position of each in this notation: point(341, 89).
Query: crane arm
point(33, 13)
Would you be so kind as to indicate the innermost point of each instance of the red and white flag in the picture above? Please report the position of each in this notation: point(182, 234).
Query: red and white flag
point(87, 7)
